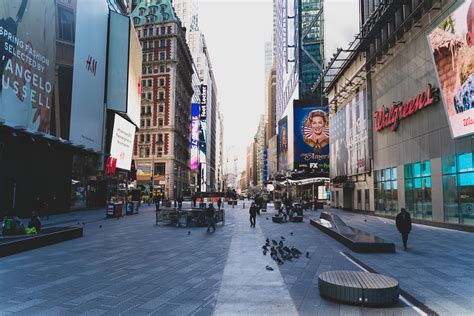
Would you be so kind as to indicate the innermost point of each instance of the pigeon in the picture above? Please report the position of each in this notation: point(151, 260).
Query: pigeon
point(264, 253)
point(307, 254)
point(189, 233)
point(287, 249)
point(282, 238)
point(267, 218)
point(365, 220)
point(274, 257)
point(281, 243)
point(264, 247)
point(281, 252)
point(267, 241)
point(269, 268)
point(274, 242)
point(279, 261)
point(100, 226)
point(291, 233)
point(295, 250)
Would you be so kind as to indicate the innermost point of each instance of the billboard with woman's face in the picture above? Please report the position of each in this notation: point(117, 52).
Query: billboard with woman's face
point(282, 143)
point(452, 44)
point(311, 137)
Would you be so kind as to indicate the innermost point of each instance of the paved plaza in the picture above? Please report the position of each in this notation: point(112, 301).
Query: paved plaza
point(132, 267)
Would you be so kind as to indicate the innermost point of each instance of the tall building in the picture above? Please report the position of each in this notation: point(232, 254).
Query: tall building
point(268, 57)
point(167, 91)
point(187, 11)
point(220, 169)
point(261, 152)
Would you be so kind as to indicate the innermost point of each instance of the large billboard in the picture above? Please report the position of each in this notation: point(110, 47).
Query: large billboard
point(311, 135)
point(27, 62)
point(194, 161)
point(134, 77)
point(338, 154)
point(282, 145)
point(87, 105)
point(452, 44)
point(121, 147)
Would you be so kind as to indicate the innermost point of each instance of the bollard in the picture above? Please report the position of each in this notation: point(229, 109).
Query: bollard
point(244, 205)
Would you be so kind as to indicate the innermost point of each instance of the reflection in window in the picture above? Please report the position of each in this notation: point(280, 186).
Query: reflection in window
point(386, 191)
point(66, 24)
point(418, 189)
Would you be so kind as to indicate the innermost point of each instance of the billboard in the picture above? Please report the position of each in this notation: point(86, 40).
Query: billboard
point(121, 147)
point(194, 160)
point(357, 138)
point(311, 134)
point(452, 47)
point(87, 104)
point(117, 73)
point(27, 62)
point(338, 153)
point(134, 95)
point(282, 145)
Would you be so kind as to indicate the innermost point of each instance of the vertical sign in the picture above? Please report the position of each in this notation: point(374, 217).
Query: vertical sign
point(194, 161)
point(202, 138)
point(282, 146)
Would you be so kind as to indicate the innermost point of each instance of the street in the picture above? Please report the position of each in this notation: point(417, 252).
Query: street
point(130, 266)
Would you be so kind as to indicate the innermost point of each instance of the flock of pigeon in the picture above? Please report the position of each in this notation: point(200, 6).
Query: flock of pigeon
point(279, 252)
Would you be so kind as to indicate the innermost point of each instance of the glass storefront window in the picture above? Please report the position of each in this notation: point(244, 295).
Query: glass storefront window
point(418, 189)
point(458, 188)
point(386, 191)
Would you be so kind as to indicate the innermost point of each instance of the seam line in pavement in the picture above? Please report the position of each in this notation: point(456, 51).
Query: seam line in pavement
point(406, 297)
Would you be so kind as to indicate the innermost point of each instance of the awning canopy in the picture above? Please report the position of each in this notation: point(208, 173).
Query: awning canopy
point(305, 181)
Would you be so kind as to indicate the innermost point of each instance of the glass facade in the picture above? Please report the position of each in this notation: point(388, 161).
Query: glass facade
point(458, 188)
point(386, 191)
point(418, 190)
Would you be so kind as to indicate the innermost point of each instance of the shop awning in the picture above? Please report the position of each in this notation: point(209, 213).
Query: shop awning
point(305, 181)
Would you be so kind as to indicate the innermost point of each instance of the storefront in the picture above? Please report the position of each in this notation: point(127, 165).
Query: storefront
point(422, 150)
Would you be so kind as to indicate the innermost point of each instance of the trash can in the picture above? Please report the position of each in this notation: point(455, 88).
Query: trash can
point(114, 210)
point(132, 208)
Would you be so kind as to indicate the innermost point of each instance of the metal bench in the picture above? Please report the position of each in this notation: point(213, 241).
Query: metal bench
point(360, 288)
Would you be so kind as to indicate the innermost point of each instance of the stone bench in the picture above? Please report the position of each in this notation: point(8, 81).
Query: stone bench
point(359, 288)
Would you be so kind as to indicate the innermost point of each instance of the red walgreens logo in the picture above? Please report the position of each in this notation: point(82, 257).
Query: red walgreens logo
point(91, 65)
point(399, 110)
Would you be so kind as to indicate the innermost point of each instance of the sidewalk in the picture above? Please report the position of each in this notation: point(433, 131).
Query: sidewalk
point(437, 269)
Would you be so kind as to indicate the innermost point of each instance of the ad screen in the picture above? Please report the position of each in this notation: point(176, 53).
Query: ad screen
point(194, 164)
point(311, 138)
point(452, 46)
point(282, 143)
point(121, 147)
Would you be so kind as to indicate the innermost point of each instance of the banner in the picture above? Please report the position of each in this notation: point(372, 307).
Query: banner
point(338, 153)
point(282, 145)
point(134, 77)
point(27, 62)
point(452, 46)
point(194, 160)
point(311, 132)
point(121, 147)
point(87, 105)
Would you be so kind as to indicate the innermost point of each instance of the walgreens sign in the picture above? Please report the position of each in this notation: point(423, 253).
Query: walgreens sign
point(391, 117)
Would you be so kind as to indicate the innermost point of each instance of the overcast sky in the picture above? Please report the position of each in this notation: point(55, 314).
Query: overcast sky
point(236, 32)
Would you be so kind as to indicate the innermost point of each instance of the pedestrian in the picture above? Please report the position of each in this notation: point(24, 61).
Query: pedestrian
point(210, 212)
point(403, 221)
point(253, 214)
point(219, 203)
point(157, 202)
point(180, 202)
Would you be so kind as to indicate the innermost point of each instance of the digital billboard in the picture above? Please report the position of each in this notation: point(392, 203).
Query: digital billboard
point(134, 77)
point(121, 147)
point(27, 62)
point(452, 46)
point(194, 161)
point(357, 138)
point(87, 104)
point(282, 143)
point(311, 135)
point(338, 154)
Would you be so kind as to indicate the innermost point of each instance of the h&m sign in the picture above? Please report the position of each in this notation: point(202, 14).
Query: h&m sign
point(398, 111)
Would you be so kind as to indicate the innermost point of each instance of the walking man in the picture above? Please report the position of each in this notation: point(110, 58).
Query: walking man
point(403, 221)
point(253, 215)
point(219, 203)
point(210, 217)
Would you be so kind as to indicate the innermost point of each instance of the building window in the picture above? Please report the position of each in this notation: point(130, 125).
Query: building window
point(150, 31)
point(66, 24)
point(418, 189)
point(161, 108)
point(161, 96)
point(160, 122)
point(148, 110)
point(160, 168)
point(136, 20)
point(141, 12)
point(162, 43)
point(162, 69)
point(163, 30)
point(147, 152)
point(150, 57)
point(150, 70)
point(386, 191)
point(148, 123)
point(143, 83)
point(142, 110)
point(162, 82)
point(143, 95)
point(142, 123)
point(147, 138)
point(150, 82)
point(160, 138)
point(458, 188)
point(144, 70)
point(142, 138)
point(142, 152)
point(162, 56)
point(367, 199)
point(145, 32)
point(148, 96)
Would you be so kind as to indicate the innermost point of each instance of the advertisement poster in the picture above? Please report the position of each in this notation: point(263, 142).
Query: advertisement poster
point(338, 154)
point(134, 77)
point(311, 146)
point(194, 163)
point(452, 45)
point(87, 104)
point(121, 147)
point(27, 62)
point(358, 134)
point(282, 143)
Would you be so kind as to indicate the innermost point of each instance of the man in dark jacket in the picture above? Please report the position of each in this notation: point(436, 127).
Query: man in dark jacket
point(403, 221)
point(253, 214)
point(219, 203)
point(210, 217)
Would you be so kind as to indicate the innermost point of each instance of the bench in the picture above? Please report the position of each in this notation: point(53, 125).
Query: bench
point(355, 239)
point(360, 288)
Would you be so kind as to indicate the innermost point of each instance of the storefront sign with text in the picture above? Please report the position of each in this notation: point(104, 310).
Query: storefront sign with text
point(398, 111)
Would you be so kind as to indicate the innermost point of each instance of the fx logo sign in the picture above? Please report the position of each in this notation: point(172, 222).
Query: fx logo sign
point(313, 165)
